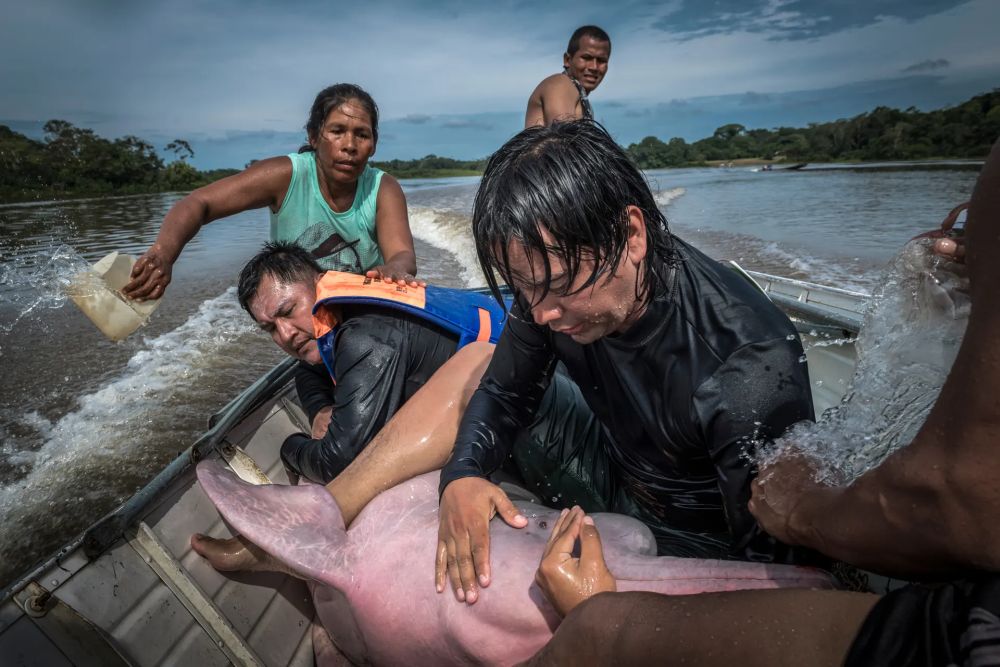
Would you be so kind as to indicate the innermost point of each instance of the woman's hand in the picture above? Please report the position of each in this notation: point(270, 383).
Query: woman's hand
point(393, 274)
point(567, 580)
point(392, 229)
point(150, 276)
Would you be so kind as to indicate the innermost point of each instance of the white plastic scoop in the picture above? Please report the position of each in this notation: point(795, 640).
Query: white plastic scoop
point(97, 293)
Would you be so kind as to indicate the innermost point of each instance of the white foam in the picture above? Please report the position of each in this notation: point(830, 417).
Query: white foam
point(664, 197)
point(824, 271)
point(109, 434)
point(451, 231)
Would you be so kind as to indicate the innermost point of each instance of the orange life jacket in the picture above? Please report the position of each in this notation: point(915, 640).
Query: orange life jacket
point(472, 316)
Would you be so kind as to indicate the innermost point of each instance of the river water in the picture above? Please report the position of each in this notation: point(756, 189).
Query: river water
point(85, 422)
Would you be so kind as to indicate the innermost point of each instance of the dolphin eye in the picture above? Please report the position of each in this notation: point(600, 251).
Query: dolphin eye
point(543, 524)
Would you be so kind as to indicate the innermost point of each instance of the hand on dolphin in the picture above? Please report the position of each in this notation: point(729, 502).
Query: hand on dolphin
point(565, 579)
point(463, 551)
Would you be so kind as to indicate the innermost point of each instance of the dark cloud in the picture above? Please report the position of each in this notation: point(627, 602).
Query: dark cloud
point(927, 65)
point(675, 106)
point(750, 98)
point(415, 119)
point(793, 19)
point(264, 135)
point(679, 107)
point(467, 124)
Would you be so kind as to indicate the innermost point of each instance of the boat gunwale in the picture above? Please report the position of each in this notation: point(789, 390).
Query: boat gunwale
point(103, 533)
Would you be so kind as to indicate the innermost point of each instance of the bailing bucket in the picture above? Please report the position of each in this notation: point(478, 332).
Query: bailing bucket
point(97, 293)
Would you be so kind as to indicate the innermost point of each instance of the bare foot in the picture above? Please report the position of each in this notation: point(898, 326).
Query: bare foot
point(234, 554)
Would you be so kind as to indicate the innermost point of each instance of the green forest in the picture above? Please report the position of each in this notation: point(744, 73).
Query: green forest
point(432, 166)
point(71, 161)
point(966, 130)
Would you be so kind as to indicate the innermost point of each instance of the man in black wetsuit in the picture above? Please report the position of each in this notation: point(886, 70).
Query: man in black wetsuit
point(684, 364)
point(564, 96)
point(382, 357)
point(400, 390)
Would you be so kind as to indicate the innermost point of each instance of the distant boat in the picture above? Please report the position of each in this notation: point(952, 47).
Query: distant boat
point(771, 167)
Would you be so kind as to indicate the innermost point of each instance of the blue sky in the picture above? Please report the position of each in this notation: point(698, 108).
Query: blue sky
point(451, 78)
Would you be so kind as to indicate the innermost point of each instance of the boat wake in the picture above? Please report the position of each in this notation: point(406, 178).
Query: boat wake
point(120, 435)
point(451, 231)
point(757, 254)
point(664, 197)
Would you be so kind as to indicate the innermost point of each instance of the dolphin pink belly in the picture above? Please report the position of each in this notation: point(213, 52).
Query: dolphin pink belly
point(383, 570)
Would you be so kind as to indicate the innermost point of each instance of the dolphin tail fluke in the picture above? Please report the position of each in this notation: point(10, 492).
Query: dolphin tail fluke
point(301, 526)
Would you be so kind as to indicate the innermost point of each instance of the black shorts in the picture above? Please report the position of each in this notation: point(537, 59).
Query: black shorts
point(940, 625)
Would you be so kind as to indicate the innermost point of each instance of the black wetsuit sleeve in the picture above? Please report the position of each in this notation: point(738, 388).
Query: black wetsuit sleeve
point(314, 387)
point(757, 394)
point(506, 400)
point(371, 375)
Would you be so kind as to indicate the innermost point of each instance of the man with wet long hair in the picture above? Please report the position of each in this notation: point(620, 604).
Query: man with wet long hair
point(684, 364)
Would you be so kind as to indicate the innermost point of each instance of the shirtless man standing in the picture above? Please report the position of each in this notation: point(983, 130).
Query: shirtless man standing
point(564, 96)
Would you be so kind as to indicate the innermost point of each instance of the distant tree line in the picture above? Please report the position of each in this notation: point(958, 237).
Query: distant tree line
point(431, 166)
point(71, 160)
point(966, 130)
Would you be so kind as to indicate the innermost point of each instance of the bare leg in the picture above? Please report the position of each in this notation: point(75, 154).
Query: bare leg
point(419, 438)
point(236, 554)
point(745, 628)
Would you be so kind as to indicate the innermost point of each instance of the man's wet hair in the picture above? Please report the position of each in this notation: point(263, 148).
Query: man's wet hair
point(591, 31)
point(573, 180)
point(332, 97)
point(284, 261)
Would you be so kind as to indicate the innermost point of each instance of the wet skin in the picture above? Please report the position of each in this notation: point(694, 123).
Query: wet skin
point(379, 604)
point(585, 314)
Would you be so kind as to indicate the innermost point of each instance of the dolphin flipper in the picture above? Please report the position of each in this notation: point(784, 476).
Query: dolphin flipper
point(299, 525)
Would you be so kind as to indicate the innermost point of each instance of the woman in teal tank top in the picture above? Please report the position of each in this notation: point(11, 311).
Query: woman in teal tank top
point(327, 198)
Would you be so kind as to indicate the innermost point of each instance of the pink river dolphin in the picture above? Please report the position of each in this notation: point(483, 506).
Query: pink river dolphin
point(374, 582)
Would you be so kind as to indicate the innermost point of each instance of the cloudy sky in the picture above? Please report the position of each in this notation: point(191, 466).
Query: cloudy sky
point(236, 78)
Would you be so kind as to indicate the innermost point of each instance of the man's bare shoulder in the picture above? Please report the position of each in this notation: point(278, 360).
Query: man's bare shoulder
point(556, 83)
point(554, 98)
